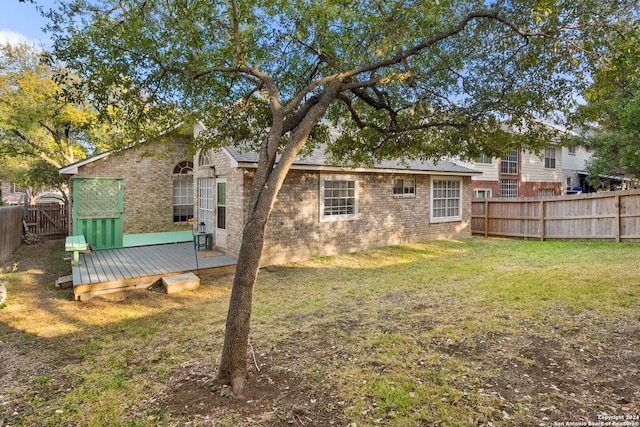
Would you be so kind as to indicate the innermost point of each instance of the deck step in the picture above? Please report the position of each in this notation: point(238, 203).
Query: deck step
point(180, 282)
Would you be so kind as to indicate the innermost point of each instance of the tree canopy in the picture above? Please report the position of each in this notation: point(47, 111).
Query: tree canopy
point(38, 122)
point(612, 113)
point(422, 78)
point(416, 79)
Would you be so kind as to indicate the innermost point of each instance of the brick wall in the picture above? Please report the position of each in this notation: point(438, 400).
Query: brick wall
point(483, 185)
point(530, 189)
point(296, 233)
point(148, 184)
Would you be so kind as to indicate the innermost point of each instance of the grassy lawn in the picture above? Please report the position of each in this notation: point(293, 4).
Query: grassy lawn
point(452, 333)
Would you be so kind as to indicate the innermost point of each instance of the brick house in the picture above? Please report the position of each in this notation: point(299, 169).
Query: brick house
point(320, 210)
point(326, 210)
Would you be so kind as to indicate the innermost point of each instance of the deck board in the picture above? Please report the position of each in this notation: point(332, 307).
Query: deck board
point(125, 266)
point(109, 269)
point(109, 264)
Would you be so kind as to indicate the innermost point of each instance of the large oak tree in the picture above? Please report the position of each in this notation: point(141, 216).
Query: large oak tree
point(395, 78)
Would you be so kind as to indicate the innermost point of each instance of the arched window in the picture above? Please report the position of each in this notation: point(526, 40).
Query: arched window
point(184, 167)
point(183, 191)
point(206, 158)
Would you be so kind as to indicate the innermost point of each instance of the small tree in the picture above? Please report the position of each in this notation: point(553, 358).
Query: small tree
point(413, 79)
point(38, 121)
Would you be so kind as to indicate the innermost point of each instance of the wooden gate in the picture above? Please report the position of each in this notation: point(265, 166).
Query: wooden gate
point(47, 221)
point(97, 211)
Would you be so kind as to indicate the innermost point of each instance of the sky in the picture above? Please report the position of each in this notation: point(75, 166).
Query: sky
point(22, 22)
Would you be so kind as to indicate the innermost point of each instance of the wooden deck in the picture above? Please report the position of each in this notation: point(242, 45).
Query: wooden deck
point(113, 270)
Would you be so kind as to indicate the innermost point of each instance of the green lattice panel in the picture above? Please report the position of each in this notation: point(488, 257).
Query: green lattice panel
point(98, 197)
point(97, 211)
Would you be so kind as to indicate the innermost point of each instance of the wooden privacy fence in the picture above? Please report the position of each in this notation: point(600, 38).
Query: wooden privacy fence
point(611, 216)
point(10, 230)
point(47, 221)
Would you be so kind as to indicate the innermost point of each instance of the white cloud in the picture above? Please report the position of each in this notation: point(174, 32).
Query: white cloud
point(12, 37)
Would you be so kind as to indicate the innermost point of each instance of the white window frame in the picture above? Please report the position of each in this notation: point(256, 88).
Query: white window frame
point(206, 158)
point(571, 151)
point(344, 217)
point(183, 191)
point(407, 187)
point(546, 192)
point(182, 198)
point(448, 197)
point(221, 223)
point(549, 158)
point(487, 193)
point(510, 165)
point(509, 187)
point(205, 202)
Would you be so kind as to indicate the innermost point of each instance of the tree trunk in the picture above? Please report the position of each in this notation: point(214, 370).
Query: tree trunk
point(233, 364)
point(267, 182)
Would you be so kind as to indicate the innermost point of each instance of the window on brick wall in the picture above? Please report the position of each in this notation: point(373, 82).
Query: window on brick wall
point(404, 187)
point(206, 158)
point(183, 191)
point(446, 199)
point(338, 197)
point(482, 193)
point(508, 188)
point(205, 203)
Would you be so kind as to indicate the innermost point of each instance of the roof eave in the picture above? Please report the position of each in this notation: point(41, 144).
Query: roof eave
point(72, 169)
point(323, 168)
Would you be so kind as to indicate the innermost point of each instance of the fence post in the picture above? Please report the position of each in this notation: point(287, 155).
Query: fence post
point(542, 220)
point(486, 218)
point(618, 208)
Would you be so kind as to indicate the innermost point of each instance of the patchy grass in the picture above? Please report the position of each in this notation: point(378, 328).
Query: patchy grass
point(453, 333)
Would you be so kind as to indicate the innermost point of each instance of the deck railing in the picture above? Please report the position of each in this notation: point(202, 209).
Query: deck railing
point(609, 216)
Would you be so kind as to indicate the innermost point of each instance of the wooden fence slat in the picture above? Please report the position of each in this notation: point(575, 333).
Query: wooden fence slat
point(600, 216)
point(10, 230)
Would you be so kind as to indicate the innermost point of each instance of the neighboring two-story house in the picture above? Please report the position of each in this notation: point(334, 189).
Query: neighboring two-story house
point(520, 174)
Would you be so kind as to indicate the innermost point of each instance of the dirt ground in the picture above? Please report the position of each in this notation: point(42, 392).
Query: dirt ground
point(536, 383)
point(554, 384)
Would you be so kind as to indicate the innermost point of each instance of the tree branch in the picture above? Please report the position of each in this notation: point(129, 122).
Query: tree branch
point(236, 32)
point(393, 130)
point(403, 55)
